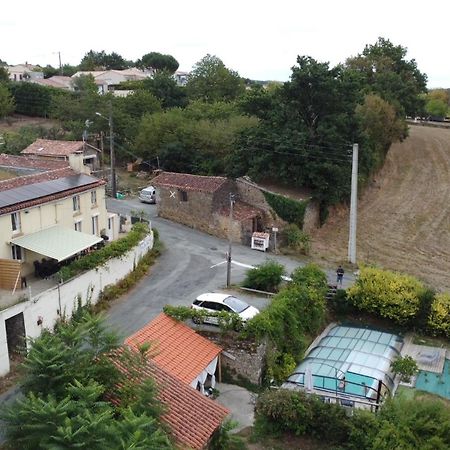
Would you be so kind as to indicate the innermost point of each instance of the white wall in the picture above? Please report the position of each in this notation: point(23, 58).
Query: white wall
point(64, 297)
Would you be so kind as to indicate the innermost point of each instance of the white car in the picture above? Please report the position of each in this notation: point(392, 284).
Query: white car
point(215, 302)
point(148, 195)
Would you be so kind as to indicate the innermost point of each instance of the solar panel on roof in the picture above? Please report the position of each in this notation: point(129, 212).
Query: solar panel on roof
point(42, 189)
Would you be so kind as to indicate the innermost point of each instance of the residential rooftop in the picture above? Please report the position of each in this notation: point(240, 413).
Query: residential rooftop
point(46, 147)
point(188, 182)
point(175, 347)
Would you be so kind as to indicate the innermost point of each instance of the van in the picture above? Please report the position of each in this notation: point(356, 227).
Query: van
point(148, 195)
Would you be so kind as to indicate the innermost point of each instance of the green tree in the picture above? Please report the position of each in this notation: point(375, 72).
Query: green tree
point(4, 74)
point(436, 107)
point(50, 71)
point(166, 90)
point(387, 72)
point(93, 60)
point(405, 366)
point(7, 103)
point(210, 80)
point(32, 99)
point(158, 62)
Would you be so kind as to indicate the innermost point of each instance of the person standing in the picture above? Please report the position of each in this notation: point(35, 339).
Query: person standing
point(340, 275)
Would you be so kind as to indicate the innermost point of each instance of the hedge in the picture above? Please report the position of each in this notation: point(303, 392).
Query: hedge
point(113, 250)
point(439, 318)
point(389, 294)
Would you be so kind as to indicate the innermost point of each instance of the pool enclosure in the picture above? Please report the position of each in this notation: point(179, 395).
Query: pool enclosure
point(349, 365)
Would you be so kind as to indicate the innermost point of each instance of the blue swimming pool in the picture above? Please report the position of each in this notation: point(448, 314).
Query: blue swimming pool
point(435, 383)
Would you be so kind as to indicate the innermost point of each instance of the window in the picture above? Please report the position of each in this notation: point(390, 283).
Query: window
point(15, 222)
point(76, 203)
point(94, 198)
point(78, 226)
point(16, 252)
point(183, 196)
point(94, 224)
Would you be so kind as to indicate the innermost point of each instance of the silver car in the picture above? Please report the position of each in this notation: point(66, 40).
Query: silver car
point(148, 195)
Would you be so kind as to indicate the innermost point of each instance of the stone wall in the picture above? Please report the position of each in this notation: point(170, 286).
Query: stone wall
point(241, 359)
point(311, 221)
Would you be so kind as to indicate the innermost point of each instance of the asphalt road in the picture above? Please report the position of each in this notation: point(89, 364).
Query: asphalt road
point(192, 263)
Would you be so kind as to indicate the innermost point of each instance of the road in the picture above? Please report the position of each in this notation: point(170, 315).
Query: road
point(188, 267)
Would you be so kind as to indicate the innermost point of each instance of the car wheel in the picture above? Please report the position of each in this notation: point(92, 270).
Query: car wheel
point(197, 320)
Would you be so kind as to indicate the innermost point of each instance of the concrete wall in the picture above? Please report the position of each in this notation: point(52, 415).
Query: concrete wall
point(49, 304)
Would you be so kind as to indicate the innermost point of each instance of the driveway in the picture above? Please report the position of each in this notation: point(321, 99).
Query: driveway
point(192, 263)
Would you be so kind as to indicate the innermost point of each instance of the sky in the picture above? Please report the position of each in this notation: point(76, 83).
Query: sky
point(259, 39)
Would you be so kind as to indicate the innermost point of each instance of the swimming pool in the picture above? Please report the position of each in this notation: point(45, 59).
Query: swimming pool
point(435, 383)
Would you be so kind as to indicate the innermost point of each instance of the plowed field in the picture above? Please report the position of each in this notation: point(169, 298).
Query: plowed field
point(404, 216)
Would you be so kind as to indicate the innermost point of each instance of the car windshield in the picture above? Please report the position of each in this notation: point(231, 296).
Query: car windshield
point(235, 304)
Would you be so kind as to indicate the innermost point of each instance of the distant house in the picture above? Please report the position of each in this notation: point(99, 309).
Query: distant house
point(179, 350)
point(81, 156)
point(57, 81)
point(192, 418)
point(181, 77)
point(47, 210)
point(25, 72)
point(108, 80)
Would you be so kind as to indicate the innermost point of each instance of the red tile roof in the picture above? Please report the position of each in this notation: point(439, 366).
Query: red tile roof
point(191, 417)
point(47, 147)
point(175, 347)
point(30, 162)
point(188, 182)
point(241, 211)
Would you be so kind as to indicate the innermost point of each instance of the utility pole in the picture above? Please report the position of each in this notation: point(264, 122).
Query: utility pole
point(111, 153)
point(60, 65)
point(230, 240)
point(353, 207)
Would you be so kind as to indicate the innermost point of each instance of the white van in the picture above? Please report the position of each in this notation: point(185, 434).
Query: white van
point(148, 195)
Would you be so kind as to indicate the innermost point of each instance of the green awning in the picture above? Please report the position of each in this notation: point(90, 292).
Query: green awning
point(57, 242)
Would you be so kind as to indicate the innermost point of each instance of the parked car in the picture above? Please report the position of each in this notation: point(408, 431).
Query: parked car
point(148, 195)
point(215, 302)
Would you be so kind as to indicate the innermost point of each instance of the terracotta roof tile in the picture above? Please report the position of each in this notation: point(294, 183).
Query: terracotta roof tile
point(189, 182)
point(191, 417)
point(175, 347)
point(46, 147)
point(241, 211)
point(30, 162)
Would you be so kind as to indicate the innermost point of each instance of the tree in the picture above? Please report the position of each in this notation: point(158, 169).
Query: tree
point(85, 84)
point(158, 62)
point(7, 103)
point(405, 366)
point(211, 81)
point(4, 74)
point(93, 60)
point(387, 72)
point(32, 99)
point(436, 107)
point(50, 71)
point(165, 88)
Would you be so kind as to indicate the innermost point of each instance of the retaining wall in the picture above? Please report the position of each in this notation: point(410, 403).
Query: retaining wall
point(45, 308)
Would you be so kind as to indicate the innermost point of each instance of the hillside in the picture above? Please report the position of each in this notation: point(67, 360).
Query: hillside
point(404, 216)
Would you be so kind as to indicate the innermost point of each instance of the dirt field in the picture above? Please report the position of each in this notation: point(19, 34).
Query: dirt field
point(15, 122)
point(404, 216)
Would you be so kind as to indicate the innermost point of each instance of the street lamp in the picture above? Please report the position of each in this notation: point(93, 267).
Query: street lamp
point(111, 150)
point(230, 239)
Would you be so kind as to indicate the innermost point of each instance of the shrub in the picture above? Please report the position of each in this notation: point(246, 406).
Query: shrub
point(391, 295)
point(113, 250)
point(310, 275)
point(292, 211)
point(297, 239)
point(265, 277)
point(405, 366)
point(439, 318)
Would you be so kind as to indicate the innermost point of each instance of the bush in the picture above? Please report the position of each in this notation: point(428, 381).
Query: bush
point(439, 318)
point(405, 366)
point(113, 250)
point(391, 295)
point(297, 239)
point(310, 275)
point(292, 211)
point(265, 277)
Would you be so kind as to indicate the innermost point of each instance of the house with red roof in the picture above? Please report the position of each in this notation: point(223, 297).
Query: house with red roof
point(81, 156)
point(180, 351)
point(47, 211)
point(191, 417)
point(203, 203)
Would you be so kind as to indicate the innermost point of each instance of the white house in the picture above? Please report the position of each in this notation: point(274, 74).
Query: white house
point(25, 72)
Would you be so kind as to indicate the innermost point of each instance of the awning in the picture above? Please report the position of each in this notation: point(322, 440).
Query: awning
point(57, 242)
